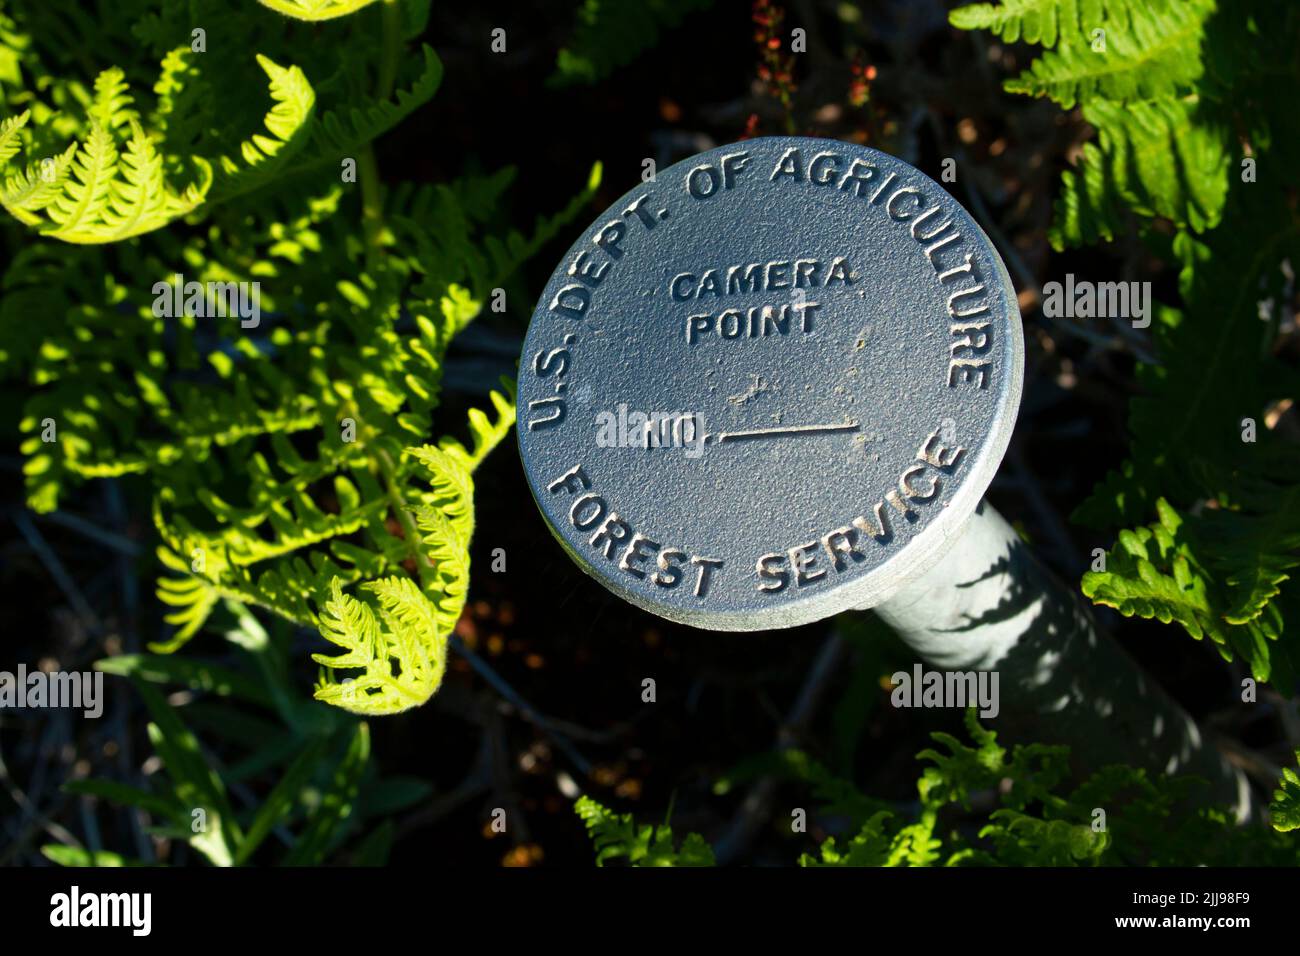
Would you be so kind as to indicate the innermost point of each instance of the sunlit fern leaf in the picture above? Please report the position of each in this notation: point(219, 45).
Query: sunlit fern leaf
point(618, 836)
point(446, 523)
point(485, 433)
point(96, 192)
point(1139, 50)
point(86, 192)
point(24, 193)
point(401, 653)
point(1180, 89)
point(1285, 808)
point(870, 846)
point(1033, 21)
point(1023, 840)
point(113, 106)
point(1152, 819)
point(953, 776)
point(316, 9)
point(1117, 49)
point(13, 44)
point(447, 551)
point(882, 842)
point(258, 500)
point(1155, 572)
point(418, 634)
point(9, 130)
point(192, 596)
point(1187, 436)
point(263, 159)
point(1159, 158)
point(135, 205)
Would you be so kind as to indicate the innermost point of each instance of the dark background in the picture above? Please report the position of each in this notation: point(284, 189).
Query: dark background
point(564, 645)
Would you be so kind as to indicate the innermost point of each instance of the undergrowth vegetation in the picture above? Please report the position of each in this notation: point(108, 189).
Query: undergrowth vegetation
point(213, 292)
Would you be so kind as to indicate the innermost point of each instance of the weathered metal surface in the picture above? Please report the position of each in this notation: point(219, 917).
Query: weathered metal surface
point(770, 385)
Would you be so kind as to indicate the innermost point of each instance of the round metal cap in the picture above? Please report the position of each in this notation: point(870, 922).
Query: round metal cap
point(769, 385)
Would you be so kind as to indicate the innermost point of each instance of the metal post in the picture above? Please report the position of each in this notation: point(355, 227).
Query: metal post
point(989, 604)
point(774, 384)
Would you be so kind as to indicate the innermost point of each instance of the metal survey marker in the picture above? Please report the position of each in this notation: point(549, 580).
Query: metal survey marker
point(769, 385)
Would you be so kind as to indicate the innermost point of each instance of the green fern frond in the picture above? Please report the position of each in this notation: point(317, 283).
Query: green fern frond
point(9, 130)
point(1155, 159)
point(115, 182)
point(1161, 152)
point(1023, 840)
point(1184, 91)
point(1187, 447)
point(618, 836)
point(259, 496)
point(289, 123)
point(1285, 808)
point(192, 596)
point(1136, 51)
point(486, 433)
point(109, 186)
point(1033, 21)
point(872, 845)
point(341, 133)
point(112, 106)
point(446, 514)
point(1154, 572)
point(402, 653)
point(1120, 50)
point(1150, 819)
point(316, 10)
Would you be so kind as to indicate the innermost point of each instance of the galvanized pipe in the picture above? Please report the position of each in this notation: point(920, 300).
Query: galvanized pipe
point(773, 384)
point(990, 605)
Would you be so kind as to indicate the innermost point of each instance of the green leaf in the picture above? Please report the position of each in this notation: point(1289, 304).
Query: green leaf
point(76, 856)
point(325, 825)
point(1155, 159)
point(316, 10)
point(1139, 50)
point(127, 796)
point(1033, 21)
point(342, 133)
point(197, 786)
point(618, 836)
point(262, 158)
point(196, 675)
point(402, 652)
point(1285, 808)
point(280, 802)
point(1154, 572)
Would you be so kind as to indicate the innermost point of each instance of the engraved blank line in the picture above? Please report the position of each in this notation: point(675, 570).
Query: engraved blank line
point(786, 430)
